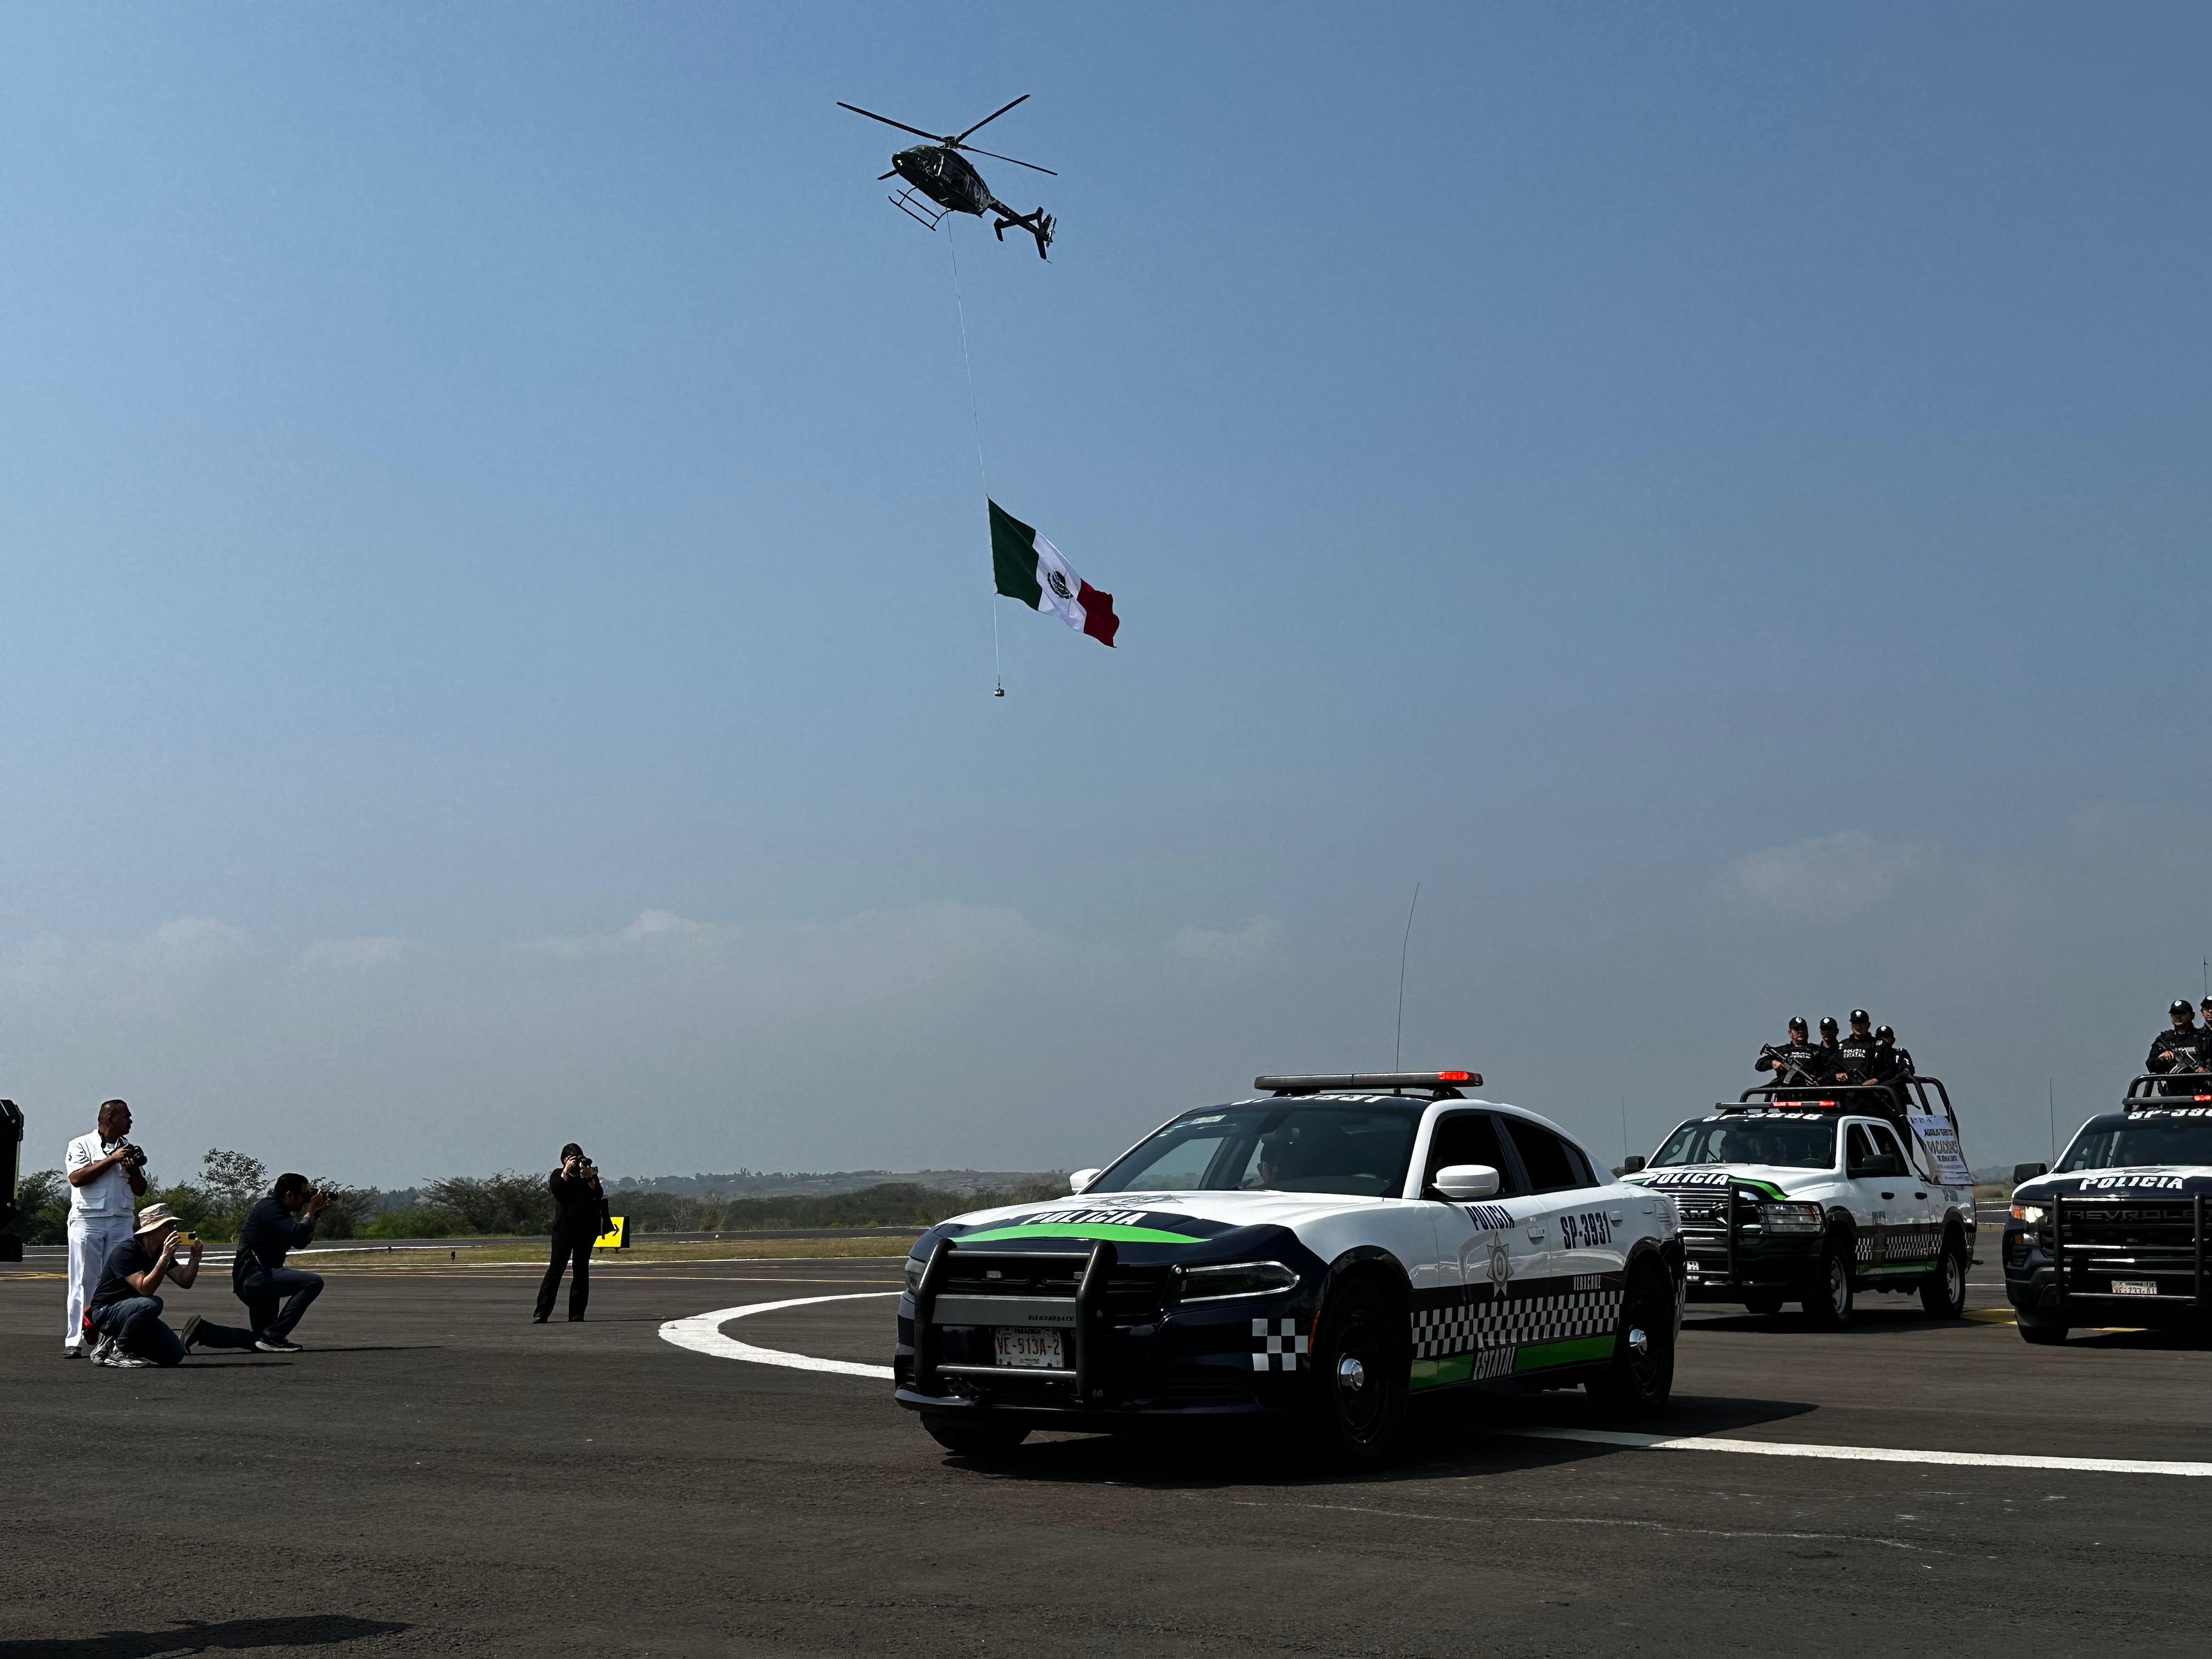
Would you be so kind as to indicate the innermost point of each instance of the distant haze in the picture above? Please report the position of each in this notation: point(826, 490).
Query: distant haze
point(499, 647)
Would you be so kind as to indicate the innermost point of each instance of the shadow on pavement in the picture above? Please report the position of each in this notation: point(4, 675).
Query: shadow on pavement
point(310, 1631)
point(1444, 1441)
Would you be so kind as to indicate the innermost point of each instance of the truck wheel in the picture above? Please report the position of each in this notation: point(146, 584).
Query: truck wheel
point(1829, 1307)
point(1763, 1305)
point(2039, 1334)
point(1640, 1377)
point(1943, 1292)
point(1355, 1394)
point(966, 1438)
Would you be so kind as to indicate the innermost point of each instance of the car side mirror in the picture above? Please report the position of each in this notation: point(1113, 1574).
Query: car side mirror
point(2028, 1172)
point(1631, 1163)
point(1083, 1178)
point(1468, 1181)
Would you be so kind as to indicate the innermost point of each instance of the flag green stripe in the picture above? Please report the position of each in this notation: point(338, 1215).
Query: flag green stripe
point(1013, 558)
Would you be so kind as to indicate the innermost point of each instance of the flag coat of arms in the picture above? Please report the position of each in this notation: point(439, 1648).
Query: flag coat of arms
point(1029, 569)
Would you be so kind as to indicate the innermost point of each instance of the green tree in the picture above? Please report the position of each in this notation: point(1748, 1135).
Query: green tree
point(42, 1197)
point(232, 1180)
point(507, 1203)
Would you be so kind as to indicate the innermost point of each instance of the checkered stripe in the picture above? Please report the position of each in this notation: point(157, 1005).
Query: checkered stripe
point(1911, 1243)
point(1277, 1344)
point(1438, 1332)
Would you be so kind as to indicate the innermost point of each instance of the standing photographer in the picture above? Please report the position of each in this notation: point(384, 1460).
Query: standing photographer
point(106, 1172)
point(274, 1228)
point(580, 1215)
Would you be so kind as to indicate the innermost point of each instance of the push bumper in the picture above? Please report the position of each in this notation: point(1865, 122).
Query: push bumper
point(2114, 1262)
point(1127, 1353)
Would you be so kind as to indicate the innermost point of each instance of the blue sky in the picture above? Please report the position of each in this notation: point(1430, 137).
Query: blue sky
point(499, 639)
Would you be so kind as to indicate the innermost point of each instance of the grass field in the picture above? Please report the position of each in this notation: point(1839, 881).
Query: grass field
point(533, 1251)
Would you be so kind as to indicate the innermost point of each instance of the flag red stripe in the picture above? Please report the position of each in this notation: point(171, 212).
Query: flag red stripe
point(1098, 618)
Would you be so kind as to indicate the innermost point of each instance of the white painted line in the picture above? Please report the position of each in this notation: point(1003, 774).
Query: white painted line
point(702, 1334)
point(1861, 1454)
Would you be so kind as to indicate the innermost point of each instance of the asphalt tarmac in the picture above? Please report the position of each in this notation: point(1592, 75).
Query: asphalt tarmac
point(436, 1474)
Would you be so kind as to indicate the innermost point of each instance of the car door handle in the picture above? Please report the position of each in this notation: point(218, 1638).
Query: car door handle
point(1920, 1195)
point(1889, 1194)
point(1535, 1232)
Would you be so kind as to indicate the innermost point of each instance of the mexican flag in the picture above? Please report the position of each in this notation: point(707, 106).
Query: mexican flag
point(1029, 569)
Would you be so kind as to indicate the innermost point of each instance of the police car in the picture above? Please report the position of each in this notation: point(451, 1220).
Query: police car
point(1812, 1195)
point(1314, 1258)
point(2115, 1234)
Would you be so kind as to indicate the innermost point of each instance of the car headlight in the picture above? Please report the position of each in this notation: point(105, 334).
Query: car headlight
point(1236, 1278)
point(1789, 1218)
point(2031, 1213)
point(916, 1267)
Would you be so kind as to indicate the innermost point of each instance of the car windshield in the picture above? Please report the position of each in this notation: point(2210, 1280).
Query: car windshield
point(2121, 1143)
point(1735, 1139)
point(1284, 1146)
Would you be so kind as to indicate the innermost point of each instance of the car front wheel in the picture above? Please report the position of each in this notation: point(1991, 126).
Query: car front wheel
point(1641, 1377)
point(1355, 1403)
point(1829, 1307)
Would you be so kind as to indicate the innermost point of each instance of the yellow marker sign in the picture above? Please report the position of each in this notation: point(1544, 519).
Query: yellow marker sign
point(617, 1238)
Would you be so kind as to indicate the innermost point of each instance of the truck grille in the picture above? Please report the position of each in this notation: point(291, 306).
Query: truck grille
point(2104, 1245)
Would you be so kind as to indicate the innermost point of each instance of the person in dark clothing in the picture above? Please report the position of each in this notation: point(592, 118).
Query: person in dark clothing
point(2182, 1048)
point(280, 1224)
point(1829, 1059)
point(127, 1314)
point(1893, 1064)
point(580, 1215)
point(1792, 1062)
point(1856, 1054)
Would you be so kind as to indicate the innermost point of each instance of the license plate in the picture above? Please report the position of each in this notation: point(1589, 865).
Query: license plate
point(2135, 1287)
point(1028, 1348)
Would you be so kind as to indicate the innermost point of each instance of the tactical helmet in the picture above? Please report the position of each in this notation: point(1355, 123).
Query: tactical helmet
point(1860, 1016)
point(1797, 1024)
point(1827, 1025)
point(2180, 1007)
point(1883, 1034)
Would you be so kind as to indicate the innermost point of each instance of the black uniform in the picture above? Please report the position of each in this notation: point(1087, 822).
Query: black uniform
point(580, 1215)
point(1781, 1060)
point(1858, 1058)
point(2189, 1050)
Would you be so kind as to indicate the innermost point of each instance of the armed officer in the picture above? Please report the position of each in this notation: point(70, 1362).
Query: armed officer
point(1829, 1059)
point(2183, 1048)
point(1893, 1064)
point(1792, 1062)
point(1858, 1054)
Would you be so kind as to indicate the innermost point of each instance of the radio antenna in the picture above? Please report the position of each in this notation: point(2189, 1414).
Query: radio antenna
point(1398, 1045)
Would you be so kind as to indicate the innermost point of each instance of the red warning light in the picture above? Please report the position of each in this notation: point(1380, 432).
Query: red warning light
point(1468, 1076)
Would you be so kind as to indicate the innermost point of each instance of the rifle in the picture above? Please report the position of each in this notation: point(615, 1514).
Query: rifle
point(1798, 1075)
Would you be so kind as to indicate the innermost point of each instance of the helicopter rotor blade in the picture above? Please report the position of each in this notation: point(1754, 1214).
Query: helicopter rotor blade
point(934, 138)
point(996, 156)
point(992, 116)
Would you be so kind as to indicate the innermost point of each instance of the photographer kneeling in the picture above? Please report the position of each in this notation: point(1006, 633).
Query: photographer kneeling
point(126, 1312)
point(258, 1277)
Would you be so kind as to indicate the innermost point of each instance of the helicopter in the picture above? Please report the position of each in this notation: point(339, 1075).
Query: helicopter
point(945, 177)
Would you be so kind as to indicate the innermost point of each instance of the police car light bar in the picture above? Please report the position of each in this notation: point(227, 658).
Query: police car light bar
point(1371, 1082)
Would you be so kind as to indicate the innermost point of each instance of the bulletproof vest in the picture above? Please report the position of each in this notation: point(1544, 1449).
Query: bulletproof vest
point(1856, 1054)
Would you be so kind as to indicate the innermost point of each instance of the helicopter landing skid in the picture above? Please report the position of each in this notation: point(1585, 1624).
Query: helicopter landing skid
point(918, 209)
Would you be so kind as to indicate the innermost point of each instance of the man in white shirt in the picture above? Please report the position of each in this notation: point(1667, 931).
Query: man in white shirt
point(106, 1175)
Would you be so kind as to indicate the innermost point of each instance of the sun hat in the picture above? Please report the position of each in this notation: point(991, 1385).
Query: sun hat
point(153, 1216)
